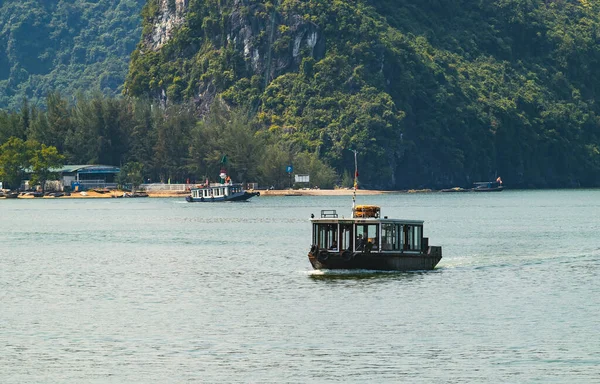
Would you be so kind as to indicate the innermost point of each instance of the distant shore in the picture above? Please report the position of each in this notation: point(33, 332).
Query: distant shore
point(272, 192)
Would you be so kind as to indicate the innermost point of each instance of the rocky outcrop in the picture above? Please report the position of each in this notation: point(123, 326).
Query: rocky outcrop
point(275, 45)
point(271, 42)
point(170, 16)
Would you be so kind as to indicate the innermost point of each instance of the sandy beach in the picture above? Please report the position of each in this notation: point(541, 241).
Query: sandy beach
point(274, 192)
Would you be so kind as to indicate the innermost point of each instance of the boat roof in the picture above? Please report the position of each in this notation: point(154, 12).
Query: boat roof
point(361, 214)
point(366, 220)
point(217, 185)
point(83, 168)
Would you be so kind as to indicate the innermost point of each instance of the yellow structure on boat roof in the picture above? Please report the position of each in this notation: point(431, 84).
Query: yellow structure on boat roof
point(363, 211)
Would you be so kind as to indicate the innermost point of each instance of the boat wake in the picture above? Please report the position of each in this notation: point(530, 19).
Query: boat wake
point(343, 274)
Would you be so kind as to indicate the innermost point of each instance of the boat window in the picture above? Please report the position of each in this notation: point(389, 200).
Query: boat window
point(411, 237)
point(327, 234)
point(416, 240)
point(346, 236)
point(365, 234)
point(406, 236)
point(390, 237)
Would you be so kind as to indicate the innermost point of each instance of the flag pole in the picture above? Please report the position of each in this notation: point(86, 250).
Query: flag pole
point(355, 181)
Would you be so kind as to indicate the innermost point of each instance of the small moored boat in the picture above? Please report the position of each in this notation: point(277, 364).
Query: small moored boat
point(11, 195)
point(488, 186)
point(455, 189)
point(135, 194)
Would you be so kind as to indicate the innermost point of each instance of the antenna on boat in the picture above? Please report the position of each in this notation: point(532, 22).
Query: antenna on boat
point(355, 181)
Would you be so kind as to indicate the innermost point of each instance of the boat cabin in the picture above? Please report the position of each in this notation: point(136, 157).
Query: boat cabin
point(216, 191)
point(366, 232)
point(488, 186)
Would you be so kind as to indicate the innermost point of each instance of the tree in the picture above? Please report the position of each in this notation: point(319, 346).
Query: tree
point(10, 126)
point(231, 132)
point(273, 165)
point(172, 137)
point(13, 161)
point(43, 159)
point(131, 173)
point(59, 121)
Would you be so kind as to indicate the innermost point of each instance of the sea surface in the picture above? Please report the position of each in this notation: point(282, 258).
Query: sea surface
point(164, 291)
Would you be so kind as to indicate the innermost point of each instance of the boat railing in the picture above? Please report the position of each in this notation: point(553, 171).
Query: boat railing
point(329, 213)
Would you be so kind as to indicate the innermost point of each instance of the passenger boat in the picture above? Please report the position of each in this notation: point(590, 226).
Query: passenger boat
point(222, 191)
point(216, 192)
point(368, 241)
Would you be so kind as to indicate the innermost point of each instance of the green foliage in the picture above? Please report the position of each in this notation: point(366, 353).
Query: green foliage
point(14, 158)
point(131, 174)
point(17, 155)
point(65, 45)
point(430, 93)
point(231, 133)
point(42, 159)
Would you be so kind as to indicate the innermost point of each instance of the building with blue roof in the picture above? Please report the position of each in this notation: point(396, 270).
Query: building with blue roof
point(82, 177)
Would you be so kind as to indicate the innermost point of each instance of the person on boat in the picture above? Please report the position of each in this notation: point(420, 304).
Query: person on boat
point(368, 246)
point(360, 243)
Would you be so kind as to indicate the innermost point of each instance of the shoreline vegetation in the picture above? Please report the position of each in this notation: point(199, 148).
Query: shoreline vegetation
point(263, 193)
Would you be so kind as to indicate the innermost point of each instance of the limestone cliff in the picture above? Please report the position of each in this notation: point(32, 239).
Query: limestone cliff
point(270, 42)
point(437, 93)
point(170, 16)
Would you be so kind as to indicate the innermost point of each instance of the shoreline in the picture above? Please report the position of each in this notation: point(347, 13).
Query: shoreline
point(272, 192)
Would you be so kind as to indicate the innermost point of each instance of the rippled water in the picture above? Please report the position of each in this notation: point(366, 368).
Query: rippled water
point(163, 291)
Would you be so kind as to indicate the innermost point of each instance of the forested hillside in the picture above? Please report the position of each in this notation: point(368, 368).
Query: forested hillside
point(431, 93)
point(65, 45)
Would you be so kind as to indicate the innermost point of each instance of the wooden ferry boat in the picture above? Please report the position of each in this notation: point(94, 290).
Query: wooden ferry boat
point(368, 241)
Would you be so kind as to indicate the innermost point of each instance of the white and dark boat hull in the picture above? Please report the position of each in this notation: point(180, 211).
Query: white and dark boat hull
point(235, 197)
point(385, 261)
